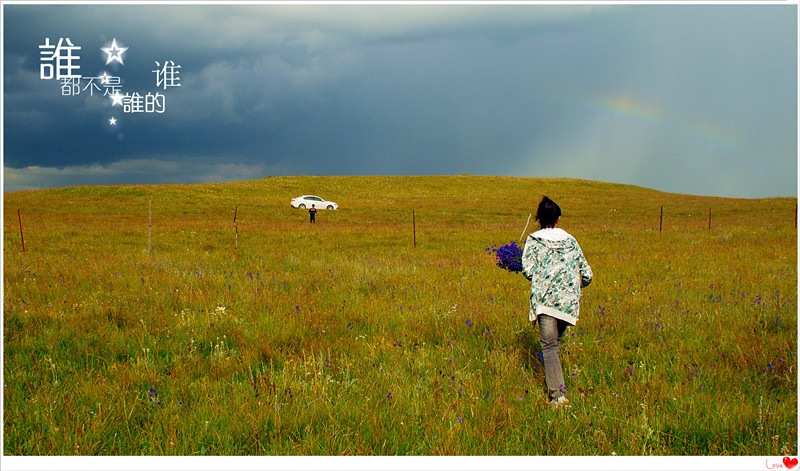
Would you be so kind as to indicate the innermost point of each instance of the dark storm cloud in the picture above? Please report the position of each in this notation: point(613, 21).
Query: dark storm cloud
point(606, 93)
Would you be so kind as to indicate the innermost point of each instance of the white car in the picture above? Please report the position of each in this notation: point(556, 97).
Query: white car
point(306, 201)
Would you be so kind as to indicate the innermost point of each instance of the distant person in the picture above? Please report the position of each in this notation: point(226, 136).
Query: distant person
point(313, 213)
point(554, 262)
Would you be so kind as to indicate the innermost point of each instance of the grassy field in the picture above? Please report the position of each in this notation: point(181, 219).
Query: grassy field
point(344, 338)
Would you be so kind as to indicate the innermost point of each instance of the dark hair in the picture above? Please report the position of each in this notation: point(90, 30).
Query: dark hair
point(548, 213)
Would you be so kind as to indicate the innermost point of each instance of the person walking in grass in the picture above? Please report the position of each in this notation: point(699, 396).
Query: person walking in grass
point(313, 213)
point(554, 263)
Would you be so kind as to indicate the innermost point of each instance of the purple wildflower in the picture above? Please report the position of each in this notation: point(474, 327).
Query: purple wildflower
point(509, 257)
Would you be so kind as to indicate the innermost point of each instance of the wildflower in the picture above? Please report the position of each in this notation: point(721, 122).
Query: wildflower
point(509, 257)
point(468, 322)
point(459, 420)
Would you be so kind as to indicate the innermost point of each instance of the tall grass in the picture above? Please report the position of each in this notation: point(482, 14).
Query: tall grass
point(343, 338)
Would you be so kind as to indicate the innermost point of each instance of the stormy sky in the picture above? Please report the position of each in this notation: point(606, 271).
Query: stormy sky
point(698, 99)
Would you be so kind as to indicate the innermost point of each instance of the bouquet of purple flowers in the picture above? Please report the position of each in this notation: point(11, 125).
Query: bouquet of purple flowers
point(509, 256)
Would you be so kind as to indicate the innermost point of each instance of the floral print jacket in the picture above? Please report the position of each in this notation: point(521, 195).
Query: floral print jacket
point(554, 262)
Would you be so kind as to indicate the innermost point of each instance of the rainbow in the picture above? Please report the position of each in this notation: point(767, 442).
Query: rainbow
point(637, 111)
point(626, 108)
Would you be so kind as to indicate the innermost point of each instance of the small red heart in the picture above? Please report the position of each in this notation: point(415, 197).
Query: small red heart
point(790, 462)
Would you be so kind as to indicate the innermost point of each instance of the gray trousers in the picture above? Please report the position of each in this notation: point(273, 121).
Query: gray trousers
point(551, 330)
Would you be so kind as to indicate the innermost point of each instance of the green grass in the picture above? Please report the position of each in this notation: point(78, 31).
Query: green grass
point(344, 338)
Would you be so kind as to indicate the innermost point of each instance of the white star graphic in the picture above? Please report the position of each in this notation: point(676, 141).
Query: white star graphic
point(105, 78)
point(114, 52)
point(112, 121)
point(116, 98)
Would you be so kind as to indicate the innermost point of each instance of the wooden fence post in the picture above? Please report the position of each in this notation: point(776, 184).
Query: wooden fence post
point(235, 212)
point(414, 223)
point(661, 221)
point(19, 215)
point(149, 225)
